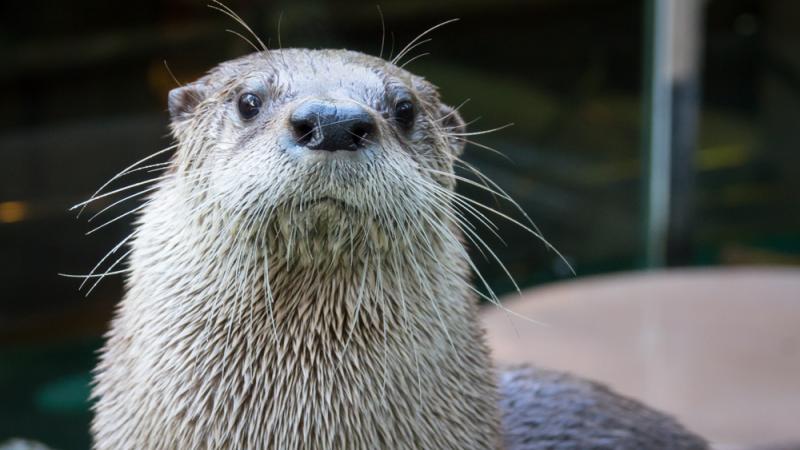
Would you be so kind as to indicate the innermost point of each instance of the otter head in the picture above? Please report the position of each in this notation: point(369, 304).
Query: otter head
point(325, 149)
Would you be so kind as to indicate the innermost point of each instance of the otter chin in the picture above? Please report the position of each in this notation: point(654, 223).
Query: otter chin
point(298, 279)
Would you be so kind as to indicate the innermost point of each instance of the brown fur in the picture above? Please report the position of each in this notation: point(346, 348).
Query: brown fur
point(286, 298)
point(365, 335)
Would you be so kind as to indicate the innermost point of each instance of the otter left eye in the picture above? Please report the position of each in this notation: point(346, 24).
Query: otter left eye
point(404, 113)
point(249, 105)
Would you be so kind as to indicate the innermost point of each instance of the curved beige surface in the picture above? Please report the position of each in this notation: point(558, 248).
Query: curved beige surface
point(718, 348)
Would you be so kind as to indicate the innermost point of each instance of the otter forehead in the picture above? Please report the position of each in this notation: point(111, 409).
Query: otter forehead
point(320, 73)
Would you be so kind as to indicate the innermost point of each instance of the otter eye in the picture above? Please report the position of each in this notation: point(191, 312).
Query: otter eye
point(404, 113)
point(249, 105)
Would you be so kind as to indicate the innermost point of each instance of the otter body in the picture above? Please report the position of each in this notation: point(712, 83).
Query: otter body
point(298, 278)
point(355, 339)
point(195, 363)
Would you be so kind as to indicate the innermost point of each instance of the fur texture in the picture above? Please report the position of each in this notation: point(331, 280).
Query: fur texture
point(285, 298)
point(545, 410)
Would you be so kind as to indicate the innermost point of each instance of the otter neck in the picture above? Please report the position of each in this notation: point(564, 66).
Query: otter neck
point(383, 352)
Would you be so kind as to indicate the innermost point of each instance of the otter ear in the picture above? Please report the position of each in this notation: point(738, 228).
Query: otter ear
point(183, 100)
point(452, 123)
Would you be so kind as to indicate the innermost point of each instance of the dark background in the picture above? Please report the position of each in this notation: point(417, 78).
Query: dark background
point(83, 92)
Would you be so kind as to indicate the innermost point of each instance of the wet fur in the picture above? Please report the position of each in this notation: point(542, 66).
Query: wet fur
point(361, 337)
point(279, 301)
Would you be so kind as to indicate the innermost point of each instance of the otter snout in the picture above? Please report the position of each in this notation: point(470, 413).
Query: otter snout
point(331, 125)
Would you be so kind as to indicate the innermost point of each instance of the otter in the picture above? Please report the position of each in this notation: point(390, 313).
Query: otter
point(299, 279)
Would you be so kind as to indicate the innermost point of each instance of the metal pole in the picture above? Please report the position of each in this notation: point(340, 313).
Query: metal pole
point(686, 50)
point(657, 128)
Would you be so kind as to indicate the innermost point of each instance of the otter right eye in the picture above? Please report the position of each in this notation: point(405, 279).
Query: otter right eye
point(404, 113)
point(249, 105)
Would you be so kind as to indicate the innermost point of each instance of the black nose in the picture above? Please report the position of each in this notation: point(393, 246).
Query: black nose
point(331, 126)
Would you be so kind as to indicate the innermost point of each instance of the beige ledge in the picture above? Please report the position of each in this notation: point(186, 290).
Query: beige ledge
point(718, 348)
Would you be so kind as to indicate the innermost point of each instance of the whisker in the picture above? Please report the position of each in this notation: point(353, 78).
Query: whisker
point(420, 36)
point(461, 198)
point(470, 182)
point(86, 277)
point(120, 174)
point(132, 211)
point(108, 271)
point(150, 189)
point(476, 133)
point(383, 30)
point(192, 174)
point(123, 189)
point(454, 111)
point(219, 6)
point(113, 250)
point(410, 49)
point(414, 59)
point(484, 146)
point(507, 196)
point(248, 41)
point(280, 18)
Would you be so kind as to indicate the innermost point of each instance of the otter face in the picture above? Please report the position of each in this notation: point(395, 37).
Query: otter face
point(316, 140)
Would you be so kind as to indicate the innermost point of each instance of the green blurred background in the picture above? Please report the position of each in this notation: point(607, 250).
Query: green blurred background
point(83, 87)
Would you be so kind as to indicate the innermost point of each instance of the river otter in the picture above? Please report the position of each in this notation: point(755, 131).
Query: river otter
point(298, 280)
